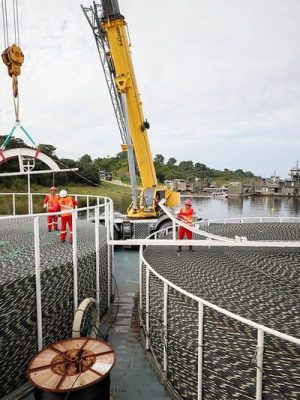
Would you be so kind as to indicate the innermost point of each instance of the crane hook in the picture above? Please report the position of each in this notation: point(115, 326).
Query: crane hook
point(13, 58)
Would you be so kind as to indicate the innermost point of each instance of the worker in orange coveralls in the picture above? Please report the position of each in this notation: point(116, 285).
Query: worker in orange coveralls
point(51, 202)
point(186, 215)
point(66, 203)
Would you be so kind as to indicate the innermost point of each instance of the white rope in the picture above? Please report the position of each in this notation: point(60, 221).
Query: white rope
point(16, 22)
point(5, 24)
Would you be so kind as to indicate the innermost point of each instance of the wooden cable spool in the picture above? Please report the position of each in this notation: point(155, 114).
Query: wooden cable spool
point(78, 367)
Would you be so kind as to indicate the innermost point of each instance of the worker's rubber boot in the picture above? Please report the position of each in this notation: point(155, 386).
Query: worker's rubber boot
point(179, 249)
point(191, 248)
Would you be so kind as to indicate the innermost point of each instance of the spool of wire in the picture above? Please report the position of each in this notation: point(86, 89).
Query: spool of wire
point(72, 369)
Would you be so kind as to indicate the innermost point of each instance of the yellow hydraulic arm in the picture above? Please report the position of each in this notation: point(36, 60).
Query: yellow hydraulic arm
point(114, 50)
point(115, 26)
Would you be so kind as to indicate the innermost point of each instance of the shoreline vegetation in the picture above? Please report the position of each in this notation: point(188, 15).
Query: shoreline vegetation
point(120, 195)
point(117, 166)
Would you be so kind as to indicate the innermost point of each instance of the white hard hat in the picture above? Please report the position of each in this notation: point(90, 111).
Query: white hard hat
point(63, 193)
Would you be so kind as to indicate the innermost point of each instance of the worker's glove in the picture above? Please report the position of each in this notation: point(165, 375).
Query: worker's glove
point(45, 205)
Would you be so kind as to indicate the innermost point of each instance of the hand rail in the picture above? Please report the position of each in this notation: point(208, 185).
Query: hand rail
point(108, 208)
point(167, 284)
point(39, 194)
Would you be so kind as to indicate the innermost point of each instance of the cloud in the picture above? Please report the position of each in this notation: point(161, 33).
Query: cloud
point(219, 81)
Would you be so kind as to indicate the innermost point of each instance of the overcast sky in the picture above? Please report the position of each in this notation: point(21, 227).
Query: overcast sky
point(219, 81)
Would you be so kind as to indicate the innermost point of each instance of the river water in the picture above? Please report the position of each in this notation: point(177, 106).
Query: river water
point(252, 206)
point(235, 207)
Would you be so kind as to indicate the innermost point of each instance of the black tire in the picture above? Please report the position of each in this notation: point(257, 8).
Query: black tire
point(117, 234)
point(163, 225)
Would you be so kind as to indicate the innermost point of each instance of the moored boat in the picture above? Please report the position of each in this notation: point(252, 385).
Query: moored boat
point(221, 193)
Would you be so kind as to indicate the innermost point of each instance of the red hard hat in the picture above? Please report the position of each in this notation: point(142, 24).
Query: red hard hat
point(53, 188)
point(188, 202)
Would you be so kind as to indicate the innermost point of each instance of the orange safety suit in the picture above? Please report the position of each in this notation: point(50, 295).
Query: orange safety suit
point(52, 202)
point(186, 215)
point(66, 203)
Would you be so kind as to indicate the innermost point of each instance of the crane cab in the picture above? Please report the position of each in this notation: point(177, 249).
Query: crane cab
point(148, 202)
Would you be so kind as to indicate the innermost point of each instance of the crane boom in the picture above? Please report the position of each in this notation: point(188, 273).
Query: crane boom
point(109, 28)
point(115, 26)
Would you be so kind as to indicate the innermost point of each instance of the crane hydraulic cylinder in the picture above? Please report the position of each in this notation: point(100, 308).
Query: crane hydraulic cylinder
point(110, 10)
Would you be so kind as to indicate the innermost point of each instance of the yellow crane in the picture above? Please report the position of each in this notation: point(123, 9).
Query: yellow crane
point(110, 31)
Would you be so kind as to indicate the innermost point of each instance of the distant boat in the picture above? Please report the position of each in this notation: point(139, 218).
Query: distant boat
point(220, 193)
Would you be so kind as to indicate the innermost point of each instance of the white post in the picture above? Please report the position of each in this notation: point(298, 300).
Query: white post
point(38, 282)
point(112, 261)
point(165, 344)
point(147, 306)
point(174, 230)
point(106, 218)
point(75, 274)
point(31, 204)
point(200, 350)
point(88, 207)
point(28, 191)
point(97, 244)
point(14, 204)
point(259, 364)
point(109, 278)
point(141, 283)
point(111, 236)
point(111, 218)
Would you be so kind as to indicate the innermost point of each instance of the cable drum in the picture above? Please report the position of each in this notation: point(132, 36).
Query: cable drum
point(73, 369)
point(99, 391)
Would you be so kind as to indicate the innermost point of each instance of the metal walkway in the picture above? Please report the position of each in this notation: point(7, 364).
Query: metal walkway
point(132, 377)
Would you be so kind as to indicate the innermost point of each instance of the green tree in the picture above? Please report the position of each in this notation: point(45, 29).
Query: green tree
point(88, 169)
point(172, 161)
point(159, 159)
point(186, 165)
point(49, 150)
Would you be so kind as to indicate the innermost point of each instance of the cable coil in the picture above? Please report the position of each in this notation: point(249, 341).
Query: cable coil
point(98, 391)
point(72, 369)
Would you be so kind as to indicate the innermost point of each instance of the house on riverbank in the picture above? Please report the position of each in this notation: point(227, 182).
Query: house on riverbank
point(274, 186)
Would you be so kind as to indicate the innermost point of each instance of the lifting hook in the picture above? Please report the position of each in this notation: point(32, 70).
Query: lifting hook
point(13, 58)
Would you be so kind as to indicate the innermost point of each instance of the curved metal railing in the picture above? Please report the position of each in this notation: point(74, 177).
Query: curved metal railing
point(103, 205)
point(146, 270)
point(34, 204)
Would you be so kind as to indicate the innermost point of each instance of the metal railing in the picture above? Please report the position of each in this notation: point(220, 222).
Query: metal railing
point(244, 220)
point(106, 207)
point(35, 200)
point(145, 270)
